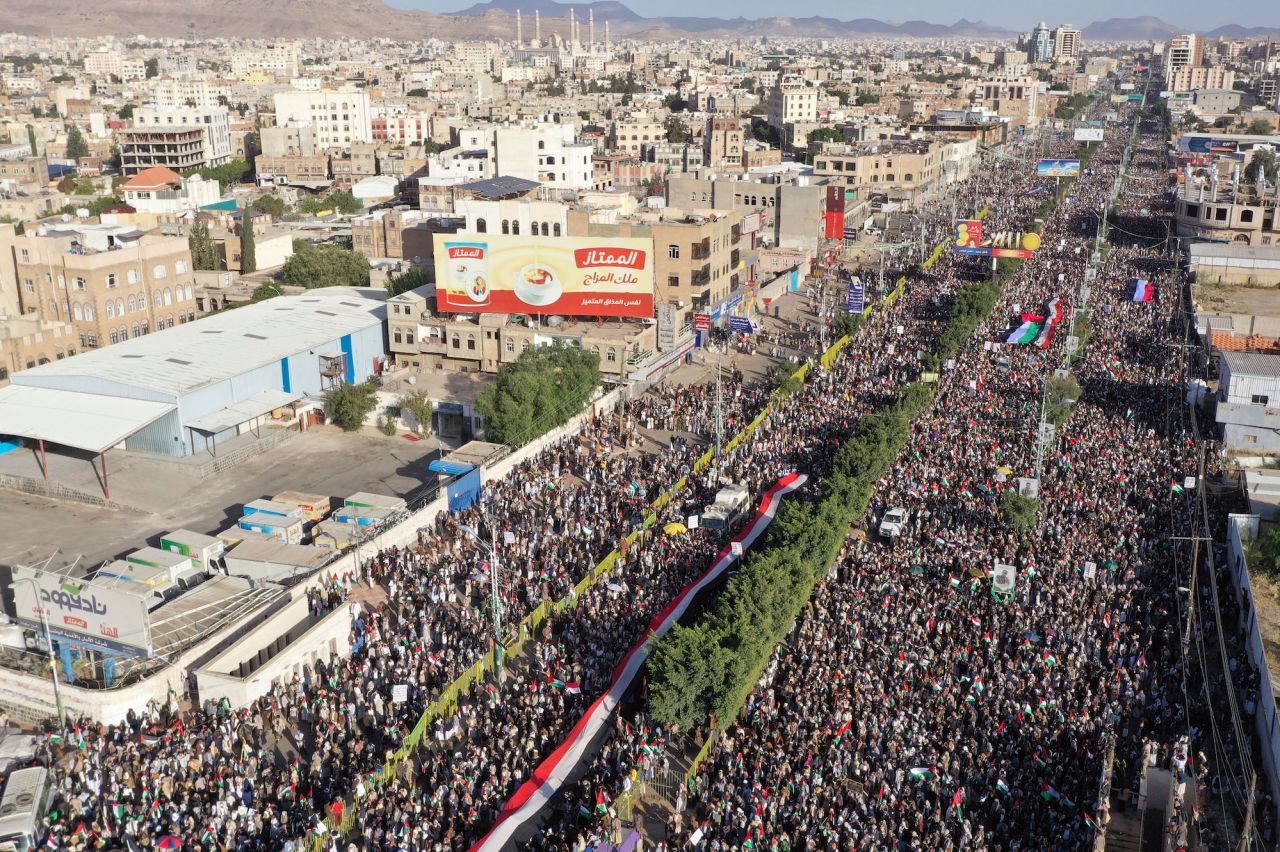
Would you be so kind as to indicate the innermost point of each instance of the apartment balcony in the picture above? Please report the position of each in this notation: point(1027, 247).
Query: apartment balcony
point(701, 277)
point(701, 250)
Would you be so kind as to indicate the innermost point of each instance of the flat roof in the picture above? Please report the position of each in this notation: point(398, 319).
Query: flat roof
point(186, 357)
point(1252, 363)
point(85, 421)
point(279, 553)
point(478, 453)
point(243, 411)
point(205, 610)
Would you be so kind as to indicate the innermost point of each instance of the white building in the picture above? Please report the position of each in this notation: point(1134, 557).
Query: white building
point(337, 118)
point(126, 66)
point(164, 191)
point(792, 101)
point(187, 94)
point(533, 216)
point(283, 60)
point(213, 121)
point(547, 154)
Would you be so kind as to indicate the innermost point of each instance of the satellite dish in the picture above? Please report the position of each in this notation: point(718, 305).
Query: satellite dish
point(66, 217)
point(554, 321)
point(82, 212)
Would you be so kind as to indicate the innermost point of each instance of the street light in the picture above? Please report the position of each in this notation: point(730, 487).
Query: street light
point(48, 641)
point(494, 601)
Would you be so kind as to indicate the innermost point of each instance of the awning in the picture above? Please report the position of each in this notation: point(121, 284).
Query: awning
point(448, 468)
point(85, 421)
point(243, 411)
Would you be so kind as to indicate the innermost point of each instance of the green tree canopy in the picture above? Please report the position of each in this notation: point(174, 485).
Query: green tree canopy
point(403, 283)
point(273, 205)
point(226, 175)
point(76, 146)
point(325, 266)
point(348, 405)
point(1259, 127)
point(540, 390)
point(248, 245)
point(338, 202)
point(204, 254)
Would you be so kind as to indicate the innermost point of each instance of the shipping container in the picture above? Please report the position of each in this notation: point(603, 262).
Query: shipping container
point(204, 550)
point(271, 507)
point(275, 561)
point(180, 569)
point(235, 534)
point(363, 516)
point(287, 530)
point(315, 507)
point(335, 535)
point(374, 501)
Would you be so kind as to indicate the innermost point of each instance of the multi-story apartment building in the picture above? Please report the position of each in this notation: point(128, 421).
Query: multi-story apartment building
point(337, 118)
point(30, 340)
point(723, 143)
point(530, 216)
point(283, 59)
point(635, 135)
point(1184, 51)
point(110, 282)
point(178, 93)
point(177, 148)
point(354, 165)
point(213, 123)
point(1066, 42)
point(792, 101)
point(412, 128)
point(400, 233)
point(23, 175)
point(293, 140)
point(696, 253)
point(1012, 98)
point(126, 66)
point(1040, 43)
point(789, 214)
point(546, 153)
point(301, 170)
point(900, 169)
point(1189, 78)
point(677, 156)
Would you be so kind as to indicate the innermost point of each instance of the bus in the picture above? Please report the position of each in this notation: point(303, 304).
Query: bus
point(23, 804)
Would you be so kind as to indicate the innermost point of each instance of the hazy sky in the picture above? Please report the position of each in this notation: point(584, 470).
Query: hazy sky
point(1014, 14)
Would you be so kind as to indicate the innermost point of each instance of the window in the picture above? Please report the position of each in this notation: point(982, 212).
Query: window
point(111, 310)
point(111, 281)
point(1251, 439)
point(187, 292)
point(481, 227)
point(131, 276)
point(471, 342)
point(1259, 399)
point(156, 300)
point(555, 229)
point(115, 336)
point(133, 304)
point(1246, 215)
point(673, 280)
point(506, 226)
point(613, 356)
point(1220, 215)
point(88, 315)
point(124, 333)
point(160, 271)
point(78, 284)
point(142, 301)
point(398, 338)
point(135, 329)
point(29, 285)
point(511, 345)
point(168, 297)
point(673, 251)
point(545, 230)
point(26, 256)
point(76, 311)
point(515, 228)
point(456, 343)
point(180, 267)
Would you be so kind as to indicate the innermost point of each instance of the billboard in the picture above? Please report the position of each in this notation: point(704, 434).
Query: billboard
point(1208, 145)
point(857, 297)
point(835, 212)
point(1088, 134)
point(579, 276)
point(101, 617)
point(972, 240)
point(463, 490)
point(1058, 168)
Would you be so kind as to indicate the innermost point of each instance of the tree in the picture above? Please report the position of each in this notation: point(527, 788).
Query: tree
point(677, 130)
point(204, 254)
point(227, 174)
point(325, 266)
point(749, 83)
point(268, 290)
point(76, 146)
point(152, 68)
point(349, 405)
point(1020, 511)
point(1259, 127)
point(248, 245)
point(1262, 162)
point(411, 280)
point(31, 140)
point(125, 112)
point(867, 98)
point(542, 389)
point(341, 202)
point(824, 134)
point(420, 406)
point(273, 205)
point(417, 93)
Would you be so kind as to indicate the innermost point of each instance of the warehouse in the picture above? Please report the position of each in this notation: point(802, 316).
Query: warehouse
point(182, 390)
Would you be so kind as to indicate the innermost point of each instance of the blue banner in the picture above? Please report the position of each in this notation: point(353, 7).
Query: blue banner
point(857, 297)
point(741, 325)
point(464, 490)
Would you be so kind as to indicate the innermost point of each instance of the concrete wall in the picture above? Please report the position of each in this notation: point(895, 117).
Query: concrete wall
point(1240, 530)
point(329, 637)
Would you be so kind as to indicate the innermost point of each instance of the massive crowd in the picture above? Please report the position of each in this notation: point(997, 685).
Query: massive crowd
point(982, 697)
point(913, 709)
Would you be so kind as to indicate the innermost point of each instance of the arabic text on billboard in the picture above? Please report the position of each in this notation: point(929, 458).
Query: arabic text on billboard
point(95, 615)
point(973, 240)
point(579, 276)
point(1058, 168)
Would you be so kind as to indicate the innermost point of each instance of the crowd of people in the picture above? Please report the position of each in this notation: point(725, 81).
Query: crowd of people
point(910, 706)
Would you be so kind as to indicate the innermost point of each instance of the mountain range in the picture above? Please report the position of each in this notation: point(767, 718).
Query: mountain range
point(489, 19)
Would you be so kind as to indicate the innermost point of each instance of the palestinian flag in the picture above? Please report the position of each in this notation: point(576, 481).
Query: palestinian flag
point(1027, 332)
point(1143, 291)
point(1050, 658)
point(844, 729)
point(1089, 821)
point(601, 806)
point(1048, 793)
point(1002, 787)
point(55, 738)
point(149, 741)
point(920, 773)
point(1176, 488)
point(1051, 322)
point(955, 584)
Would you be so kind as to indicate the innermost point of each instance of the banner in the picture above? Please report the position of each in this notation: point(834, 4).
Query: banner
point(576, 276)
point(857, 297)
point(702, 322)
point(741, 325)
point(1088, 134)
point(1058, 168)
point(111, 618)
point(835, 212)
point(463, 490)
point(973, 240)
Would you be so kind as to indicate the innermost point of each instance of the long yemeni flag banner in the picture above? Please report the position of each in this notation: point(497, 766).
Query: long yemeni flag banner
point(1028, 331)
point(1054, 317)
point(551, 774)
point(1143, 291)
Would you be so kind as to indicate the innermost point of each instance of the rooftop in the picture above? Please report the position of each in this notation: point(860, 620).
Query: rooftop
point(156, 177)
point(1250, 363)
point(501, 186)
point(181, 359)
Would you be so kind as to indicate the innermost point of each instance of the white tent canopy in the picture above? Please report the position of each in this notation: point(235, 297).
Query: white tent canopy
point(85, 421)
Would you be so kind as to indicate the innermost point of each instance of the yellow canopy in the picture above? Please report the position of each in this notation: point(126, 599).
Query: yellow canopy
point(675, 528)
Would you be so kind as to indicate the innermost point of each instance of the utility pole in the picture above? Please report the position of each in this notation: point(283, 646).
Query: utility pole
point(1246, 833)
point(719, 410)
